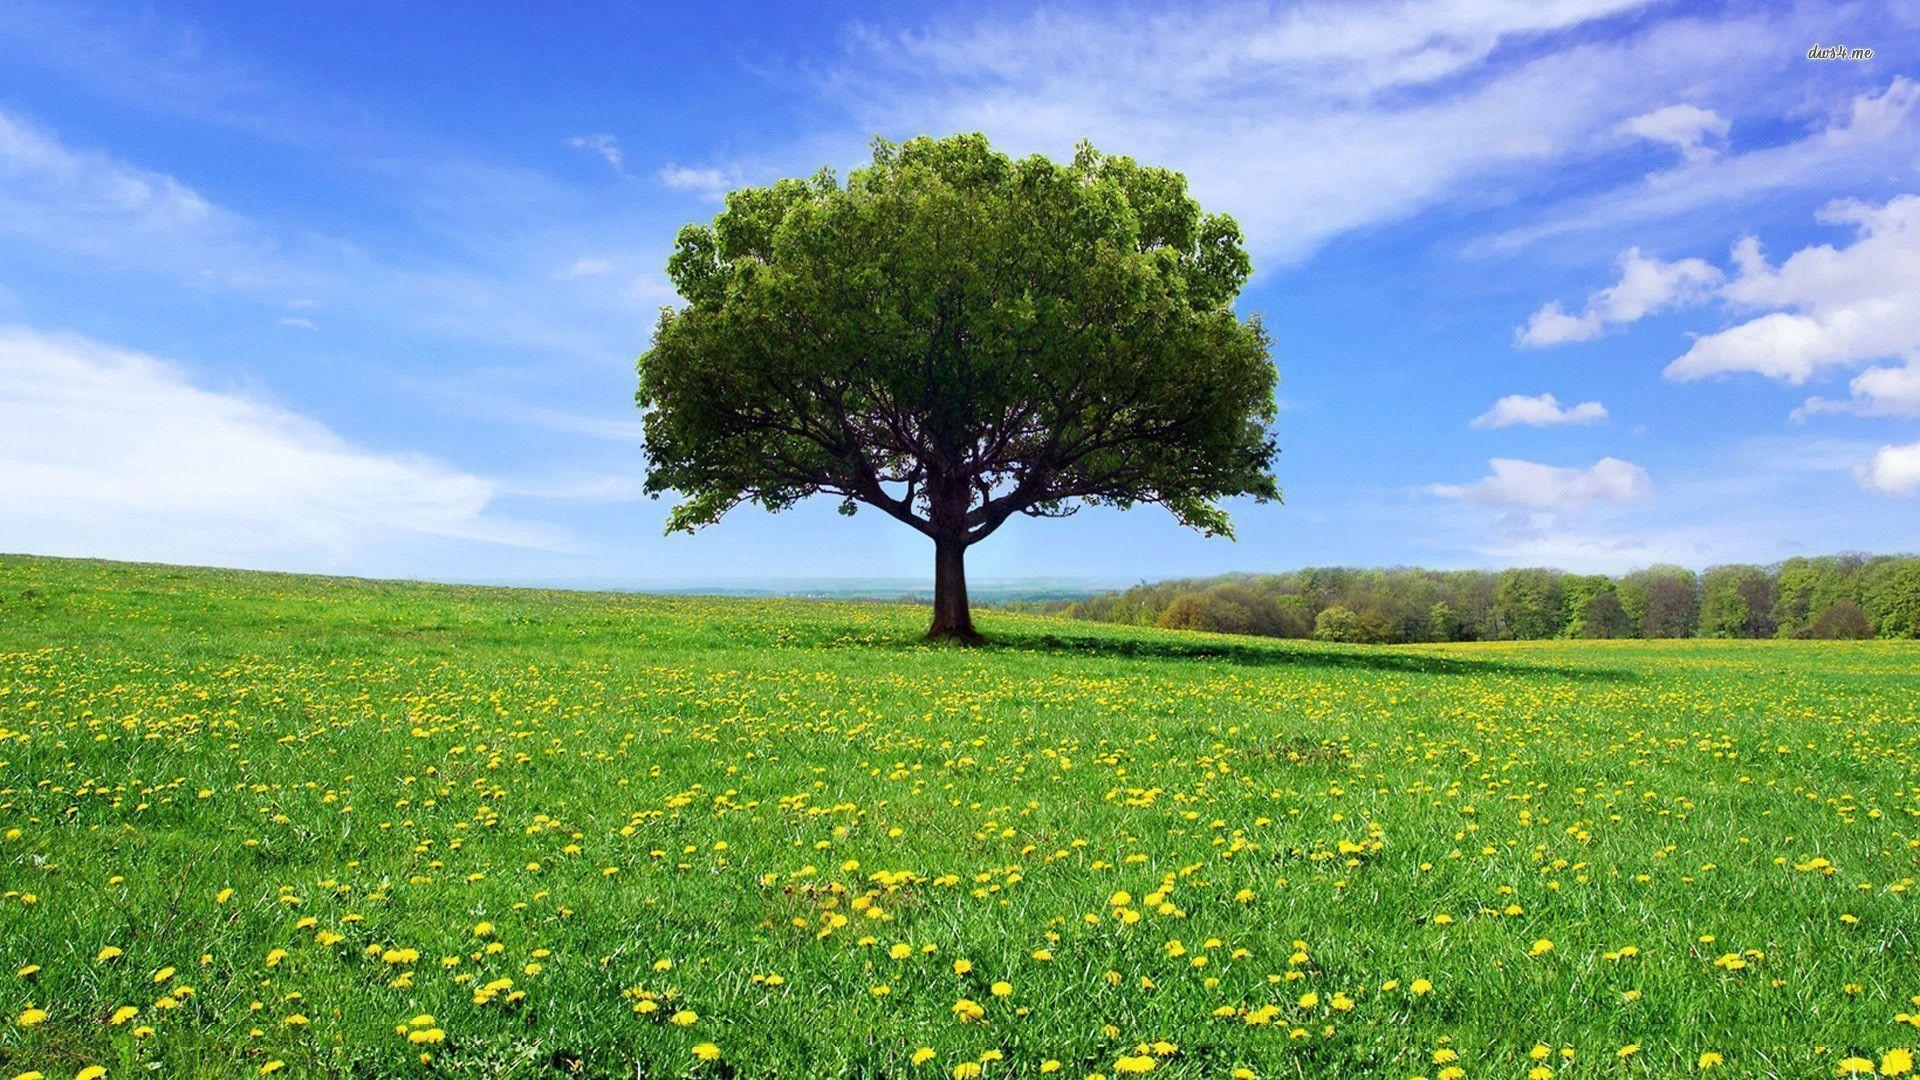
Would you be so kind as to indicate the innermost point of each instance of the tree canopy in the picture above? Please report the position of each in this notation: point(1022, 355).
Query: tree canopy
point(1830, 596)
point(954, 338)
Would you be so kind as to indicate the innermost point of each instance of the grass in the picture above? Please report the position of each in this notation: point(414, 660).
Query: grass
point(366, 806)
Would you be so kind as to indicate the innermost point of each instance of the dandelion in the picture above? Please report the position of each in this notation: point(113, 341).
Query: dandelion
point(706, 1051)
point(31, 1018)
point(1540, 947)
point(111, 952)
point(1709, 1060)
point(1896, 1062)
point(922, 1056)
point(683, 1018)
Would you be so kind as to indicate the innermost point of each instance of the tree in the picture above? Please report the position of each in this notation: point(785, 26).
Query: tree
point(955, 338)
point(1603, 617)
point(1579, 591)
point(1892, 588)
point(1842, 620)
point(1736, 601)
point(1336, 623)
point(1664, 601)
point(1528, 604)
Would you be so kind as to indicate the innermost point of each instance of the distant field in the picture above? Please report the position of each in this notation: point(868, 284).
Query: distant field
point(254, 823)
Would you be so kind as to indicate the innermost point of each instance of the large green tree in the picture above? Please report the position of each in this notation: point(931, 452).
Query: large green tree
point(955, 337)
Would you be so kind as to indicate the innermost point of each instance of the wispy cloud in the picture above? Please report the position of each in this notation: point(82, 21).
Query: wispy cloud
point(1690, 129)
point(602, 144)
point(109, 452)
point(90, 205)
point(711, 183)
point(1873, 134)
point(1312, 121)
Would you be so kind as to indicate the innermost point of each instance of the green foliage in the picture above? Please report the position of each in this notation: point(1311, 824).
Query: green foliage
point(1336, 623)
point(1604, 617)
point(1891, 591)
point(1528, 604)
point(1410, 605)
point(1579, 590)
point(1737, 601)
point(956, 337)
point(1843, 621)
point(1663, 600)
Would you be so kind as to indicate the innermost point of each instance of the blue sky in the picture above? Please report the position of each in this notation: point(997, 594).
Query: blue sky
point(358, 287)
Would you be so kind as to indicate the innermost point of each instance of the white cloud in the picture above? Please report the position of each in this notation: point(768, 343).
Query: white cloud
point(1831, 307)
point(1687, 128)
point(1315, 119)
point(600, 143)
point(107, 452)
point(586, 267)
point(712, 183)
point(1880, 391)
point(1543, 410)
point(1893, 470)
point(1863, 143)
point(1646, 285)
point(85, 203)
point(1533, 486)
point(297, 322)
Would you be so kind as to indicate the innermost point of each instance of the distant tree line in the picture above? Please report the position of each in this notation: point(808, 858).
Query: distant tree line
point(1833, 596)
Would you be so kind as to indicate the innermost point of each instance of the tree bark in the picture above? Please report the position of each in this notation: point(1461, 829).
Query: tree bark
point(952, 618)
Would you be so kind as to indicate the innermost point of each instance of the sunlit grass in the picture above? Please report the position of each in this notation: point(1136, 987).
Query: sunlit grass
point(395, 830)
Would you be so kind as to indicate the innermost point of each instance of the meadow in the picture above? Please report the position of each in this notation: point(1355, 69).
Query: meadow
point(255, 824)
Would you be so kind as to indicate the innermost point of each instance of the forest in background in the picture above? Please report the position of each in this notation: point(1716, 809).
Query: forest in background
point(1832, 596)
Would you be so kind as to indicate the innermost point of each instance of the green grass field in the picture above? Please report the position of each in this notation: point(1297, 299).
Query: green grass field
point(257, 823)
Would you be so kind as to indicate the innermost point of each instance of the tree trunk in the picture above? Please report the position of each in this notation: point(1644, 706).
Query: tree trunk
point(952, 619)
